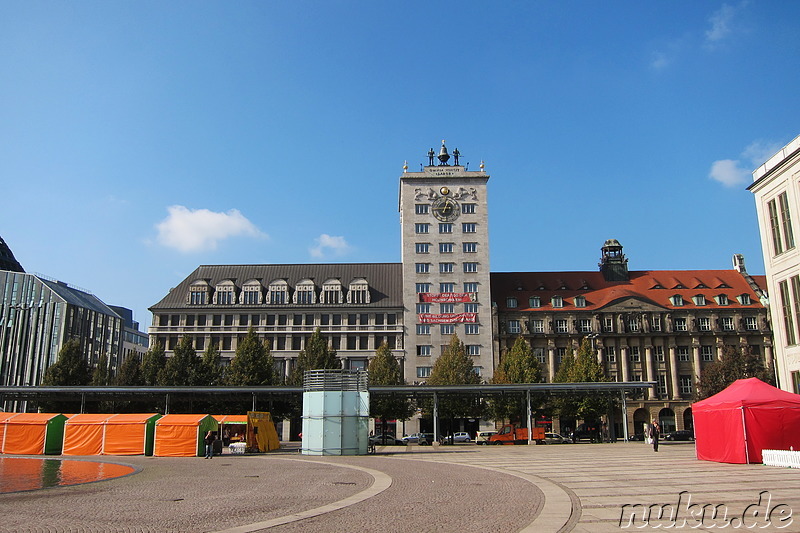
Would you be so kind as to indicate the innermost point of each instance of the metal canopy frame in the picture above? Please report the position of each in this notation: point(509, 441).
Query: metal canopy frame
point(410, 391)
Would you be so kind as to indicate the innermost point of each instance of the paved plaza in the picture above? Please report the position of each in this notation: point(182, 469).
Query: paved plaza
point(463, 488)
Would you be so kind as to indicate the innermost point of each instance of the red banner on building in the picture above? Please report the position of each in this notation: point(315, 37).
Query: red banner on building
point(447, 318)
point(446, 297)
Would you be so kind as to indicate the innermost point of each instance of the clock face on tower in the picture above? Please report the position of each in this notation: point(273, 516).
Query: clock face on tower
point(446, 209)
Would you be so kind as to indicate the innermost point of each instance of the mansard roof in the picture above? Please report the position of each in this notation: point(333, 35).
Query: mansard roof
point(385, 281)
point(651, 286)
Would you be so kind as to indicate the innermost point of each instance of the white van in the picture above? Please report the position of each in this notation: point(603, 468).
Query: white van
point(483, 437)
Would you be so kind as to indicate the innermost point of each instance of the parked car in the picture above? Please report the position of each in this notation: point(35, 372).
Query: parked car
point(683, 434)
point(419, 438)
point(555, 438)
point(588, 431)
point(636, 436)
point(461, 436)
point(386, 440)
point(483, 437)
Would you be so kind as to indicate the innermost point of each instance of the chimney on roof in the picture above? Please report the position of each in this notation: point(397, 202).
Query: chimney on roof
point(738, 263)
point(613, 263)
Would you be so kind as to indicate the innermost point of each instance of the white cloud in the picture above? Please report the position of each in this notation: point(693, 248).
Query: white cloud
point(733, 172)
point(195, 230)
point(729, 172)
point(660, 60)
point(721, 22)
point(336, 244)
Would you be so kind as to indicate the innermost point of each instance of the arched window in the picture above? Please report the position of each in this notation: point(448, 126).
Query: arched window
point(198, 292)
point(358, 292)
point(225, 293)
point(278, 292)
point(332, 292)
point(304, 293)
point(251, 293)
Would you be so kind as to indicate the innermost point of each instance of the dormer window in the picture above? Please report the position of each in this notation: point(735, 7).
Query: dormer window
point(304, 293)
point(744, 299)
point(251, 293)
point(677, 300)
point(224, 294)
point(278, 292)
point(332, 292)
point(358, 292)
point(557, 301)
point(534, 301)
point(699, 299)
point(580, 301)
point(722, 299)
point(198, 293)
point(511, 303)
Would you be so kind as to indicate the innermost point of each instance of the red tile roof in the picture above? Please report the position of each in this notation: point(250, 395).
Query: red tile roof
point(655, 286)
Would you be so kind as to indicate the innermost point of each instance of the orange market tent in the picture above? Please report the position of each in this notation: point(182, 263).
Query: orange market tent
point(109, 434)
point(33, 434)
point(182, 435)
point(130, 434)
point(261, 434)
point(83, 434)
point(232, 428)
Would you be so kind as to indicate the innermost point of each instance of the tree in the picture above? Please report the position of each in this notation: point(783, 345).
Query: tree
point(130, 372)
point(100, 376)
point(734, 363)
point(181, 369)
point(316, 355)
point(253, 363)
point(519, 365)
point(69, 369)
point(582, 368)
point(153, 363)
point(385, 370)
point(454, 367)
point(209, 373)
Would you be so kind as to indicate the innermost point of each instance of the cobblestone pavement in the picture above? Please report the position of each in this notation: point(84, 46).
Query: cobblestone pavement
point(462, 488)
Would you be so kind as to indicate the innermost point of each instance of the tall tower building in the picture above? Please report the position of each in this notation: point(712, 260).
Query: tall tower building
point(445, 255)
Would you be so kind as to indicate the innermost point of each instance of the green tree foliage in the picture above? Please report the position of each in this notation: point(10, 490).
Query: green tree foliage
point(733, 364)
point(582, 368)
point(181, 369)
point(209, 372)
point(100, 376)
point(153, 363)
point(519, 365)
point(385, 370)
point(69, 369)
point(454, 367)
point(253, 363)
point(316, 355)
point(130, 372)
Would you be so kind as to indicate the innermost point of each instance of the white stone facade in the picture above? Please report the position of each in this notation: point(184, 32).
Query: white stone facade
point(776, 188)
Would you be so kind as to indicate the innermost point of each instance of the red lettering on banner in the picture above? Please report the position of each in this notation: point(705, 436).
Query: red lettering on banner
point(445, 297)
point(447, 318)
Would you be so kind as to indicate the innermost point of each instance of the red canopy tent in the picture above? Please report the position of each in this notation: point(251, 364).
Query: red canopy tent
point(734, 425)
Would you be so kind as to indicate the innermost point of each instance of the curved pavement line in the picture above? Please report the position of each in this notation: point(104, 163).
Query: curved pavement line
point(381, 482)
point(561, 509)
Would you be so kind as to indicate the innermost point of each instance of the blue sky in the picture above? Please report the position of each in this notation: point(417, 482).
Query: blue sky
point(141, 139)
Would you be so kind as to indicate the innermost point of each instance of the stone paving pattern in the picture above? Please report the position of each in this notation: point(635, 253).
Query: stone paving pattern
point(579, 488)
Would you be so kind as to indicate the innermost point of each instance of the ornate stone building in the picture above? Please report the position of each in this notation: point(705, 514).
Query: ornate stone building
point(356, 307)
point(445, 260)
point(656, 325)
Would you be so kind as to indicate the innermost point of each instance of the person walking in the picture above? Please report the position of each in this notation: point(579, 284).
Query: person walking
point(655, 432)
point(209, 440)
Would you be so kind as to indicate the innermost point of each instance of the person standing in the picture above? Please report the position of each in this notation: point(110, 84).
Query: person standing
point(209, 440)
point(655, 432)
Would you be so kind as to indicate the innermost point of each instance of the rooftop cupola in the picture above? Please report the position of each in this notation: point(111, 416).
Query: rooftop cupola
point(613, 263)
